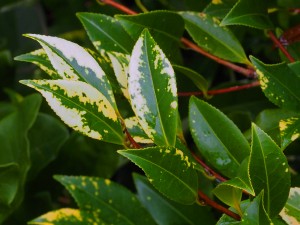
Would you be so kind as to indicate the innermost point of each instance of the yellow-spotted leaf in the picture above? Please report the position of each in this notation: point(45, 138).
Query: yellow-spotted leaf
point(82, 107)
point(153, 92)
point(111, 202)
point(67, 216)
point(169, 170)
point(289, 130)
point(40, 58)
point(291, 211)
point(72, 62)
point(120, 63)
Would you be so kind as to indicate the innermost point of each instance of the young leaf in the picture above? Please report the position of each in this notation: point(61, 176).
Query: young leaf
point(253, 13)
point(289, 130)
point(40, 58)
point(67, 216)
point(120, 63)
point(197, 79)
point(107, 200)
point(255, 212)
point(279, 83)
point(209, 35)
point(269, 171)
point(291, 211)
point(73, 62)
point(169, 170)
point(166, 27)
point(81, 107)
point(153, 92)
point(218, 139)
point(106, 33)
point(165, 211)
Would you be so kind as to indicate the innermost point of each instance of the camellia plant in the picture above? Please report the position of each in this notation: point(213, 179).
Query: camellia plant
point(126, 92)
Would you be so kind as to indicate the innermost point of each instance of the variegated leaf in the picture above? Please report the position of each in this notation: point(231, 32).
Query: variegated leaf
point(39, 58)
point(291, 211)
point(120, 63)
point(67, 216)
point(153, 91)
point(82, 107)
point(289, 130)
point(135, 130)
point(72, 62)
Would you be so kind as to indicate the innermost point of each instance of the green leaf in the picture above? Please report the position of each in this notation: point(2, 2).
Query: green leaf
point(107, 200)
point(46, 136)
point(255, 212)
point(14, 152)
point(291, 211)
point(169, 170)
point(73, 62)
point(67, 216)
point(166, 27)
point(289, 130)
point(165, 211)
point(197, 79)
point(153, 92)
point(209, 35)
point(253, 13)
point(217, 138)
point(279, 83)
point(39, 58)
point(106, 33)
point(219, 8)
point(81, 107)
point(120, 63)
point(269, 171)
point(136, 131)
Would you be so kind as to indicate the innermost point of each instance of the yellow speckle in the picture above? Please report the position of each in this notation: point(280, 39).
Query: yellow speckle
point(287, 170)
point(107, 182)
point(282, 125)
point(174, 105)
point(97, 43)
point(73, 187)
point(263, 79)
point(62, 213)
point(110, 201)
point(216, 2)
point(295, 136)
point(179, 152)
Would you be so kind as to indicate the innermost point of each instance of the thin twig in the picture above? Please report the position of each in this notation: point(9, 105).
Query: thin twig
point(117, 6)
point(215, 205)
point(280, 46)
point(221, 91)
point(208, 169)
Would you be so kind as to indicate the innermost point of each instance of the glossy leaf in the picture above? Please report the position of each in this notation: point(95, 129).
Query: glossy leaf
point(269, 171)
point(73, 62)
point(106, 33)
point(166, 27)
point(153, 92)
point(289, 130)
point(107, 200)
point(209, 35)
point(46, 136)
point(291, 211)
point(136, 131)
point(217, 138)
point(251, 13)
point(169, 170)
point(219, 8)
point(39, 58)
point(167, 212)
point(255, 212)
point(197, 78)
point(81, 107)
point(14, 153)
point(279, 83)
point(67, 216)
point(120, 63)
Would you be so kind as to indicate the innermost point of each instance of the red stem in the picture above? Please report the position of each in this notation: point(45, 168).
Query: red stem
point(221, 91)
point(280, 46)
point(295, 10)
point(186, 42)
point(207, 168)
point(215, 205)
point(239, 69)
